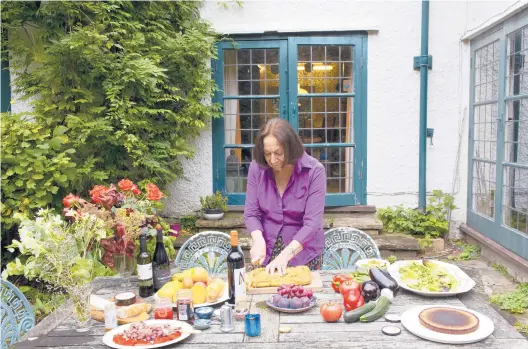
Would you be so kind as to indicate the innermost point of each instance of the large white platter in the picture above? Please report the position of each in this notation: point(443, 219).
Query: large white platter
point(465, 282)
point(411, 322)
point(108, 338)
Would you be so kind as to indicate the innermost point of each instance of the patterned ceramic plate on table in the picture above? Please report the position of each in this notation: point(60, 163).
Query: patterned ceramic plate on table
point(313, 301)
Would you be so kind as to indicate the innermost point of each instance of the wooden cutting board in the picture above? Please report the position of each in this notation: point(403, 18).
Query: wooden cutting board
point(316, 285)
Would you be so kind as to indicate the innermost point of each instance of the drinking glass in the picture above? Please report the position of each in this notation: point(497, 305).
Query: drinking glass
point(252, 325)
point(124, 264)
point(80, 296)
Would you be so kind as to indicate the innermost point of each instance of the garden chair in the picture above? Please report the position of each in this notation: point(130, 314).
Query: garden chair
point(345, 246)
point(17, 315)
point(207, 249)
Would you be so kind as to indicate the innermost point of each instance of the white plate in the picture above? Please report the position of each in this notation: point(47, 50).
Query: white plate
point(108, 338)
point(313, 300)
point(411, 321)
point(363, 264)
point(465, 282)
point(222, 299)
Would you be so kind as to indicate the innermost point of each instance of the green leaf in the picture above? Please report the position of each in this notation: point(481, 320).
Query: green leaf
point(59, 130)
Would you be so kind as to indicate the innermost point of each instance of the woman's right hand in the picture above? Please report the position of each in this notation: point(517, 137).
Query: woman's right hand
point(258, 248)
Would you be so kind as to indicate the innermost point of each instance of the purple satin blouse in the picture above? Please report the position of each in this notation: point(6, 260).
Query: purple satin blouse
point(298, 214)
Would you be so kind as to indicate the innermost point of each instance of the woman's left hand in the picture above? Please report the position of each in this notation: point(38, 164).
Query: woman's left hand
point(279, 263)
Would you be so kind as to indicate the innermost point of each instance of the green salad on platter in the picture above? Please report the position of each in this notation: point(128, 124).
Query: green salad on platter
point(428, 276)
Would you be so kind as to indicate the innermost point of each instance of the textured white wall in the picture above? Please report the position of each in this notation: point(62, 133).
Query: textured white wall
point(393, 85)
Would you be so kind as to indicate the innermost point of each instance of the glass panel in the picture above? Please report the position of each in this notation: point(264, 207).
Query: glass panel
point(326, 119)
point(487, 73)
point(244, 117)
point(484, 188)
point(251, 72)
point(485, 131)
point(339, 164)
point(516, 132)
point(237, 165)
point(515, 198)
point(325, 69)
point(516, 70)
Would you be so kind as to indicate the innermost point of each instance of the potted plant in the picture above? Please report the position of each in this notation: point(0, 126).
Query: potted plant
point(214, 206)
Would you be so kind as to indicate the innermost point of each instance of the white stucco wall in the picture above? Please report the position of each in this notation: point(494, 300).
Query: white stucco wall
point(393, 85)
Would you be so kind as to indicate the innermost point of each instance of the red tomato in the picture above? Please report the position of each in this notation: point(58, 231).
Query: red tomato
point(348, 286)
point(338, 279)
point(361, 302)
point(331, 312)
point(351, 299)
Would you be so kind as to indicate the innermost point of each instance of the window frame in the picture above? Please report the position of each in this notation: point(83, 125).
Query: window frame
point(287, 62)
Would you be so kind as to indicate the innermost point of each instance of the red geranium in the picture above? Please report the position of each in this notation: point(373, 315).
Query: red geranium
point(125, 184)
point(135, 190)
point(96, 193)
point(153, 192)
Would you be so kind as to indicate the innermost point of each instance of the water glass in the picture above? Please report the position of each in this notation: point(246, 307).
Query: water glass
point(124, 265)
point(252, 325)
point(80, 296)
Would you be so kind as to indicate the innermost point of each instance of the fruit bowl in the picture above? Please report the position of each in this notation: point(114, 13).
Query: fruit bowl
point(313, 301)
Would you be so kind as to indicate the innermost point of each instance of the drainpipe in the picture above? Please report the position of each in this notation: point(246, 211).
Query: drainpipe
point(423, 63)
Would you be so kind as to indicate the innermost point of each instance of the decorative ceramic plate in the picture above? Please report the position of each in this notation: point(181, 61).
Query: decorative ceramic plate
point(289, 310)
point(411, 321)
point(108, 338)
point(465, 283)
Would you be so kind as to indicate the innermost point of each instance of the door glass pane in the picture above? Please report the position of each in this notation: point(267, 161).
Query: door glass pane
point(325, 69)
point(516, 69)
point(485, 128)
point(251, 72)
point(339, 164)
point(515, 187)
point(237, 165)
point(487, 73)
point(484, 188)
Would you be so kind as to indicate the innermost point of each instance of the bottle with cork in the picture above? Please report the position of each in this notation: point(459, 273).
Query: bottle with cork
point(236, 271)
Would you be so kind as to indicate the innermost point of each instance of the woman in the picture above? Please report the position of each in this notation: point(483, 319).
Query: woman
point(285, 200)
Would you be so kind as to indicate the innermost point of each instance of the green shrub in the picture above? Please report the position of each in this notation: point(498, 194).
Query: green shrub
point(116, 90)
point(433, 222)
point(215, 201)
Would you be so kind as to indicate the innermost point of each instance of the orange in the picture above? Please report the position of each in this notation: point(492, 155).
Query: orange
point(200, 275)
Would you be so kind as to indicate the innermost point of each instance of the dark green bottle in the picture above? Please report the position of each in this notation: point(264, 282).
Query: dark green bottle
point(144, 269)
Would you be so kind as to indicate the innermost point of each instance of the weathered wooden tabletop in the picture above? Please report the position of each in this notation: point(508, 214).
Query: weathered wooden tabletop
point(307, 329)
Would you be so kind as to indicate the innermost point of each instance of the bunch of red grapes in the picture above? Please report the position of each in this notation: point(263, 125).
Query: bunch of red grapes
point(292, 297)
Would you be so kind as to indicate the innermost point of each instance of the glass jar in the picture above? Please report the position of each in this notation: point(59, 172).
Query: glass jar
point(185, 306)
point(163, 309)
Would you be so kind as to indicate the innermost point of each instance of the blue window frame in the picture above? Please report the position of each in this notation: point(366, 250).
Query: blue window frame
point(498, 143)
point(317, 83)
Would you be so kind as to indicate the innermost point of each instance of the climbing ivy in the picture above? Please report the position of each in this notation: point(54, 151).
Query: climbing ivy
point(117, 89)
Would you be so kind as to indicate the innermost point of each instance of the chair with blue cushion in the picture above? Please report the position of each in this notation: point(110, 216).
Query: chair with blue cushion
point(17, 315)
point(345, 246)
point(207, 249)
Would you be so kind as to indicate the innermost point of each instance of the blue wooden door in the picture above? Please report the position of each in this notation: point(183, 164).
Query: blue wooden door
point(318, 84)
point(498, 142)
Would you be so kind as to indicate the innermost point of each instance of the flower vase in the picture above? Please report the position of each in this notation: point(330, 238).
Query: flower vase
point(80, 297)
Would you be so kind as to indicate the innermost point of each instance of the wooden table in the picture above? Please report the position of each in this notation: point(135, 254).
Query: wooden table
point(308, 329)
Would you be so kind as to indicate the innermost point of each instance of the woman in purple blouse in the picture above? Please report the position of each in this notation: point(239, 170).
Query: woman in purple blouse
point(285, 201)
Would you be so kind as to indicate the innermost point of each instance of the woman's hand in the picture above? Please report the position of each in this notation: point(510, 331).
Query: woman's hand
point(280, 263)
point(258, 248)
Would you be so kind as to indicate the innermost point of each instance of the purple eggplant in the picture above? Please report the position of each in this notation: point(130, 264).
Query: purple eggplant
point(370, 290)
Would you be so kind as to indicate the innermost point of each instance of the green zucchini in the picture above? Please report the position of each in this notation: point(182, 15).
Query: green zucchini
point(354, 315)
point(382, 305)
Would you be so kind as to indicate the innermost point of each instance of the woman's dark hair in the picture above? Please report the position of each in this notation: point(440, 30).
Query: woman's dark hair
point(287, 137)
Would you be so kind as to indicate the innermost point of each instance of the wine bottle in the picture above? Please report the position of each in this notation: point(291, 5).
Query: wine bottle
point(144, 269)
point(236, 272)
point(160, 263)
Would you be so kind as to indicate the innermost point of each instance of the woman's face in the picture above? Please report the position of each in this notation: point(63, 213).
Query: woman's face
point(274, 153)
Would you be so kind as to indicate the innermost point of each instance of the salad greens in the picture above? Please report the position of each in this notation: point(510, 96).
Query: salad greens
point(429, 277)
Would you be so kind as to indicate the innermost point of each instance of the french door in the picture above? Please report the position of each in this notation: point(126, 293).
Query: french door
point(318, 84)
point(498, 142)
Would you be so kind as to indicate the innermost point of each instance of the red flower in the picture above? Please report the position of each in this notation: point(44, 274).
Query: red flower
point(135, 190)
point(111, 197)
point(70, 200)
point(97, 192)
point(125, 184)
point(153, 192)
